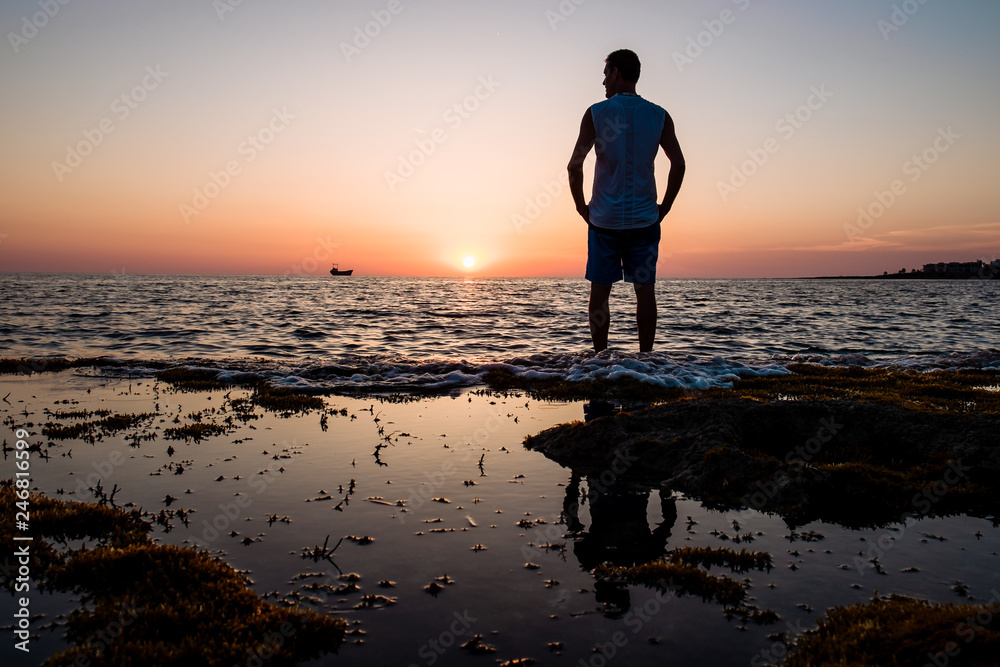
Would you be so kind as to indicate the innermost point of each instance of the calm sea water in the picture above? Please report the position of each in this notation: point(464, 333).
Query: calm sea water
point(404, 332)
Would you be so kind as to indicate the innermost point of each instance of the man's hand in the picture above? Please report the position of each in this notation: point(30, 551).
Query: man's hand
point(584, 212)
point(663, 209)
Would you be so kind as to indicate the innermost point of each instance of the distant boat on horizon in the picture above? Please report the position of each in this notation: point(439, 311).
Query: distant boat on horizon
point(335, 271)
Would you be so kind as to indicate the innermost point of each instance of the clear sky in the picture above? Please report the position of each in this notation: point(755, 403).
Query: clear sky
point(256, 136)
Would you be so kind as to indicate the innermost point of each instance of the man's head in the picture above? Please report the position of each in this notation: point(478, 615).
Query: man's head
point(621, 72)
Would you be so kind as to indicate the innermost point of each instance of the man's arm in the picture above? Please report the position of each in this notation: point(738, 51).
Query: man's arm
point(668, 140)
point(584, 143)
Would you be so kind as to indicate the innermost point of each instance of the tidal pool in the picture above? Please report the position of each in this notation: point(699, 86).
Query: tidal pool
point(454, 530)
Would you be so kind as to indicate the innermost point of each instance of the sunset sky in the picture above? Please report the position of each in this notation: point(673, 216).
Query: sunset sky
point(401, 137)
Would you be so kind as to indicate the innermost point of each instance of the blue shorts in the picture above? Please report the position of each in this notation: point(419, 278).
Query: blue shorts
point(632, 253)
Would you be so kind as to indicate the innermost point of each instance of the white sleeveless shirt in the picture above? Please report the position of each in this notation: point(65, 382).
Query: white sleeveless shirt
point(628, 130)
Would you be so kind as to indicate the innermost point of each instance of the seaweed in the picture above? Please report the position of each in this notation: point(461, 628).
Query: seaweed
point(76, 414)
point(678, 571)
point(899, 630)
point(872, 459)
point(196, 432)
point(169, 605)
point(263, 394)
point(28, 365)
point(681, 577)
point(185, 378)
point(962, 391)
point(736, 561)
point(284, 401)
point(90, 431)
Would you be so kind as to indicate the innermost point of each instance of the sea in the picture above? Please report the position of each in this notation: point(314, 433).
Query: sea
point(366, 333)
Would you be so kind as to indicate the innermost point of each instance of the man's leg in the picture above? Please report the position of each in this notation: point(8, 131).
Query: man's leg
point(645, 315)
point(600, 315)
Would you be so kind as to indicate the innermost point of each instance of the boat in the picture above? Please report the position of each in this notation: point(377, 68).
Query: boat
point(335, 271)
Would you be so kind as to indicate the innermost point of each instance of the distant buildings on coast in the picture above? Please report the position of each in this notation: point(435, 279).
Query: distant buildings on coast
point(962, 268)
point(977, 269)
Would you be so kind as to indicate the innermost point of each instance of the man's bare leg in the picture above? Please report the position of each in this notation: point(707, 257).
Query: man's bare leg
point(600, 315)
point(645, 315)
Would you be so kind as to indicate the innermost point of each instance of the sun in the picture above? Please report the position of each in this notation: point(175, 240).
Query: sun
point(468, 261)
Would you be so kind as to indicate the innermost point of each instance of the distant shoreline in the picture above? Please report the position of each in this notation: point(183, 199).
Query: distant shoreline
point(916, 275)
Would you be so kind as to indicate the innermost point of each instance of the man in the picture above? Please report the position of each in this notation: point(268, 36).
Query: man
point(623, 216)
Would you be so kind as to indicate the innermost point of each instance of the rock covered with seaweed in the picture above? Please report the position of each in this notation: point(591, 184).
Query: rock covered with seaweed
point(830, 448)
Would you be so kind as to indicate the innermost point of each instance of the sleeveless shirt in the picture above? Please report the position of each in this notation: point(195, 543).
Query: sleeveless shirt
point(628, 130)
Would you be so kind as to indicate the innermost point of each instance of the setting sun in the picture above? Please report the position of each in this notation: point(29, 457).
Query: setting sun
point(468, 261)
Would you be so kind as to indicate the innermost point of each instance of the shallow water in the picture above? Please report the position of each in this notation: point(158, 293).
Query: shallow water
point(410, 333)
point(434, 449)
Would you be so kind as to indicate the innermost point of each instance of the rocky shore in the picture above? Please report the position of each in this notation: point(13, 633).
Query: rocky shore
point(853, 463)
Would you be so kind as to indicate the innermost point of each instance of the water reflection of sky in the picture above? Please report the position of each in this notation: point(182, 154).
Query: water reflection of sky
point(433, 453)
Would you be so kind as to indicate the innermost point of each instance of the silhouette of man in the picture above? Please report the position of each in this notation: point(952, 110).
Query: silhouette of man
point(623, 216)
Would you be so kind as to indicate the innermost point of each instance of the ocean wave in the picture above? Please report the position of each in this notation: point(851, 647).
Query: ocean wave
point(413, 329)
point(930, 361)
point(351, 374)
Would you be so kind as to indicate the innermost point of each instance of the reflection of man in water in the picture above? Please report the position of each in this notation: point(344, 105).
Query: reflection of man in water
point(623, 214)
point(619, 531)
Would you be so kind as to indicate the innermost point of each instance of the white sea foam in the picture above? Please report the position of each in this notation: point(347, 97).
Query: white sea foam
point(354, 374)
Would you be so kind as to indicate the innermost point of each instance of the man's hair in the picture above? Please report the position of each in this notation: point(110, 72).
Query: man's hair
point(626, 62)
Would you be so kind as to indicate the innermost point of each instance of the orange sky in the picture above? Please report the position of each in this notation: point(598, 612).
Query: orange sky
point(265, 140)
